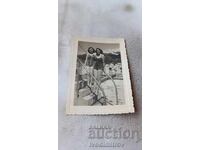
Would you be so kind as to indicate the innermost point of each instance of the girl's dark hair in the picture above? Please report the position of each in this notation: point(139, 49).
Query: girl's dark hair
point(91, 48)
point(101, 51)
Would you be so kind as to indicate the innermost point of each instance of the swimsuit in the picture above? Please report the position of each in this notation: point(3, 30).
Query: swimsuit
point(99, 62)
point(90, 60)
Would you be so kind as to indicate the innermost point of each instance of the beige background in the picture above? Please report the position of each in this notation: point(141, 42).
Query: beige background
point(99, 18)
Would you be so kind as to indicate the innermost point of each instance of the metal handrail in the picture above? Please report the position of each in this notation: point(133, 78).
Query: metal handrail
point(93, 78)
point(116, 93)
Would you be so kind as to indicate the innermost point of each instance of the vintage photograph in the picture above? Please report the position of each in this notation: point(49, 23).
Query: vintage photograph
point(99, 79)
point(101, 75)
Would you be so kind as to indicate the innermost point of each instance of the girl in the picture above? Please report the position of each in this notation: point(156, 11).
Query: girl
point(99, 65)
point(89, 63)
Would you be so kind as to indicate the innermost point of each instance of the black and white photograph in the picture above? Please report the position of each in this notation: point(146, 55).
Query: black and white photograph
point(99, 79)
point(100, 74)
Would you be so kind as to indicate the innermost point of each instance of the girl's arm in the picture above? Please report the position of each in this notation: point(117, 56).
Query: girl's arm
point(103, 61)
point(86, 59)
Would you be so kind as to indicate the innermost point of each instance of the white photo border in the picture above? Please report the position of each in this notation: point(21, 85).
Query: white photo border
point(128, 107)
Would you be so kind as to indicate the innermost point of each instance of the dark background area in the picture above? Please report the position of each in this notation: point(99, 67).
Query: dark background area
point(109, 58)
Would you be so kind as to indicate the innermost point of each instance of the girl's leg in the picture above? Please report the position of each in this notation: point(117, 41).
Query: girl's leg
point(89, 76)
point(92, 73)
point(99, 75)
point(95, 84)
